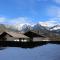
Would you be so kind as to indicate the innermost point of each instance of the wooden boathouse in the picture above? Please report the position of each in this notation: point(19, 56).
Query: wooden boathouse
point(13, 36)
point(36, 37)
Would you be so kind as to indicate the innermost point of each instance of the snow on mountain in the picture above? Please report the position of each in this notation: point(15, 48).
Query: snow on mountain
point(26, 27)
point(22, 26)
point(38, 27)
point(19, 27)
point(56, 27)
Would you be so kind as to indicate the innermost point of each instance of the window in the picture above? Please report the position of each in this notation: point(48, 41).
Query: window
point(16, 40)
point(23, 40)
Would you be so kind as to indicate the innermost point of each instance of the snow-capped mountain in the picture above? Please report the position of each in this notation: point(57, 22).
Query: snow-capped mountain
point(56, 27)
point(26, 28)
point(38, 27)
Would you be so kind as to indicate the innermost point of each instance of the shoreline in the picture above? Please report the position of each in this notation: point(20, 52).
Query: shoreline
point(25, 44)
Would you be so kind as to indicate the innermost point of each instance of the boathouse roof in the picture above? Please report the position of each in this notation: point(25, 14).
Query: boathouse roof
point(32, 34)
point(14, 34)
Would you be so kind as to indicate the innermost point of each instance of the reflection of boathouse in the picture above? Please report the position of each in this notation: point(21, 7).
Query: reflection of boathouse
point(35, 36)
point(13, 36)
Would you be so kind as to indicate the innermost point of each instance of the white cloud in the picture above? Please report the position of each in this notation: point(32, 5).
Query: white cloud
point(16, 21)
point(56, 1)
point(53, 11)
point(2, 19)
point(51, 22)
point(19, 20)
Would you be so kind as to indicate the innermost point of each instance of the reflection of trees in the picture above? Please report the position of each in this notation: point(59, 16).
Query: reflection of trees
point(2, 48)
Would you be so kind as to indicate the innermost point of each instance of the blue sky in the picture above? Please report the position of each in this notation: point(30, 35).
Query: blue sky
point(30, 11)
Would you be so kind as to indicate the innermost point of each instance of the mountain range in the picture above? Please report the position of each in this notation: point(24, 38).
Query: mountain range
point(26, 27)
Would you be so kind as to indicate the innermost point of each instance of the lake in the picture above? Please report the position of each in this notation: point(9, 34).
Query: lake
point(44, 52)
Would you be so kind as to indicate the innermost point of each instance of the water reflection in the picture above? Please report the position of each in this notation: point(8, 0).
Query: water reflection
point(22, 44)
point(25, 44)
point(44, 52)
point(2, 48)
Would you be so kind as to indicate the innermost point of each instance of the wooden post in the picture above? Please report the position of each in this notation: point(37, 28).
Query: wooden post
point(31, 39)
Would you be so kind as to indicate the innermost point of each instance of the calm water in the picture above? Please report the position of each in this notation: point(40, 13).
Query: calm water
point(45, 52)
